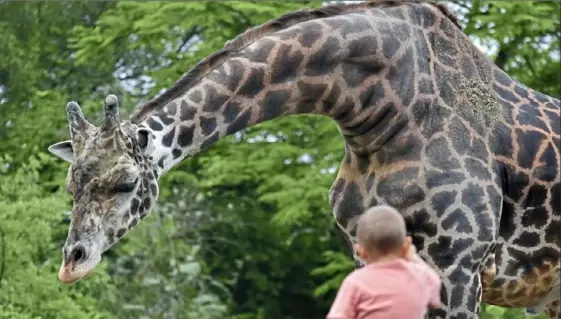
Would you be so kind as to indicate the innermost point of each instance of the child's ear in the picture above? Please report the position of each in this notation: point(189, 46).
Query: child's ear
point(406, 245)
point(361, 252)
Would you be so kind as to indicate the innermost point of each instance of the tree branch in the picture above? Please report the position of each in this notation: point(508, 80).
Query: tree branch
point(190, 34)
point(530, 65)
point(502, 57)
point(128, 77)
point(505, 52)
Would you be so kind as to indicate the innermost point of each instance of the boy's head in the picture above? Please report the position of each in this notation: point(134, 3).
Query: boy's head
point(380, 232)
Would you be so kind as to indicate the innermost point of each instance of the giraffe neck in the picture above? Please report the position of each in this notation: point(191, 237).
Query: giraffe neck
point(358, 69)
point(275, 76)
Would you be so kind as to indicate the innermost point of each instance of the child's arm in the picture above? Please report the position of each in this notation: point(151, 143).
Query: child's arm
point(344, 305)
point(432, 277)
point(434, 284)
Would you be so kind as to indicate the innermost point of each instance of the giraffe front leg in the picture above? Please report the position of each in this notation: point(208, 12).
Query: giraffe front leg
point(347, 202)
point(351, 241)
point(459, 260)
point(456, 232)
point(460, 293)
point(346, 219)
point(454, 226)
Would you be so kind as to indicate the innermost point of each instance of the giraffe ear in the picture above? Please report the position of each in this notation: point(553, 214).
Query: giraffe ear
point(145, 140)
point(63, 150)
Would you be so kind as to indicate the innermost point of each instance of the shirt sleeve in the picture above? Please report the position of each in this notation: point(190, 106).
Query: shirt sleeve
point(345, 304)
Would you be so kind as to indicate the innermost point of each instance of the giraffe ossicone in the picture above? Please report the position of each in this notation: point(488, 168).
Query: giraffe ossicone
point(111, 100)
point(431, 126)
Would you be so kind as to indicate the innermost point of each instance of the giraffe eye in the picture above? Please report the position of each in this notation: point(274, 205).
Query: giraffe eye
point(125, 187)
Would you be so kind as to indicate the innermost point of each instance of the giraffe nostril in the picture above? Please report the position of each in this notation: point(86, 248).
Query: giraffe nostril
point(78, 254)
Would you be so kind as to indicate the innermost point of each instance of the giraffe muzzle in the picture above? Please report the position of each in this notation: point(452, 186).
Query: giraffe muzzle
point(78, 264)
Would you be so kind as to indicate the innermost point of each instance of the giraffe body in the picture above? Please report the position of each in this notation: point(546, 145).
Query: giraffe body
point(469, 156)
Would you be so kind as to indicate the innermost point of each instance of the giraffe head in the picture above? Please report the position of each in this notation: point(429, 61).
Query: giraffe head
point(112, 181)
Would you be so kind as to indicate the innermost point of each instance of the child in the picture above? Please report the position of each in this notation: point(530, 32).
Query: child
point(395, 283)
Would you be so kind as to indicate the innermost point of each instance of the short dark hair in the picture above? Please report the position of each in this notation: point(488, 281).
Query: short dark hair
point(381, 229)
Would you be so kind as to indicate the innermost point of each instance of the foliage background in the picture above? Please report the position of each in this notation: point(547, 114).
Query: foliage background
point(242, 231)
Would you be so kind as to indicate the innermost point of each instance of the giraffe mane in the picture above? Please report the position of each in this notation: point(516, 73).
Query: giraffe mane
point(253, 34)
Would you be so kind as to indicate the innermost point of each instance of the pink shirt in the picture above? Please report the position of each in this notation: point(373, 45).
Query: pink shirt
point(395, 290)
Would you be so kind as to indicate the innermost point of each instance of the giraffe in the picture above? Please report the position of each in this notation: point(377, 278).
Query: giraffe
point(431, 126)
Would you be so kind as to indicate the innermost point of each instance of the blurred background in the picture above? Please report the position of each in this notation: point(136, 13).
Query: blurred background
point(242, 231)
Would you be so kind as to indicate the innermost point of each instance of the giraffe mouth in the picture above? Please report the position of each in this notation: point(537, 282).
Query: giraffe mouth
point(70, 273)
point(68, 279)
